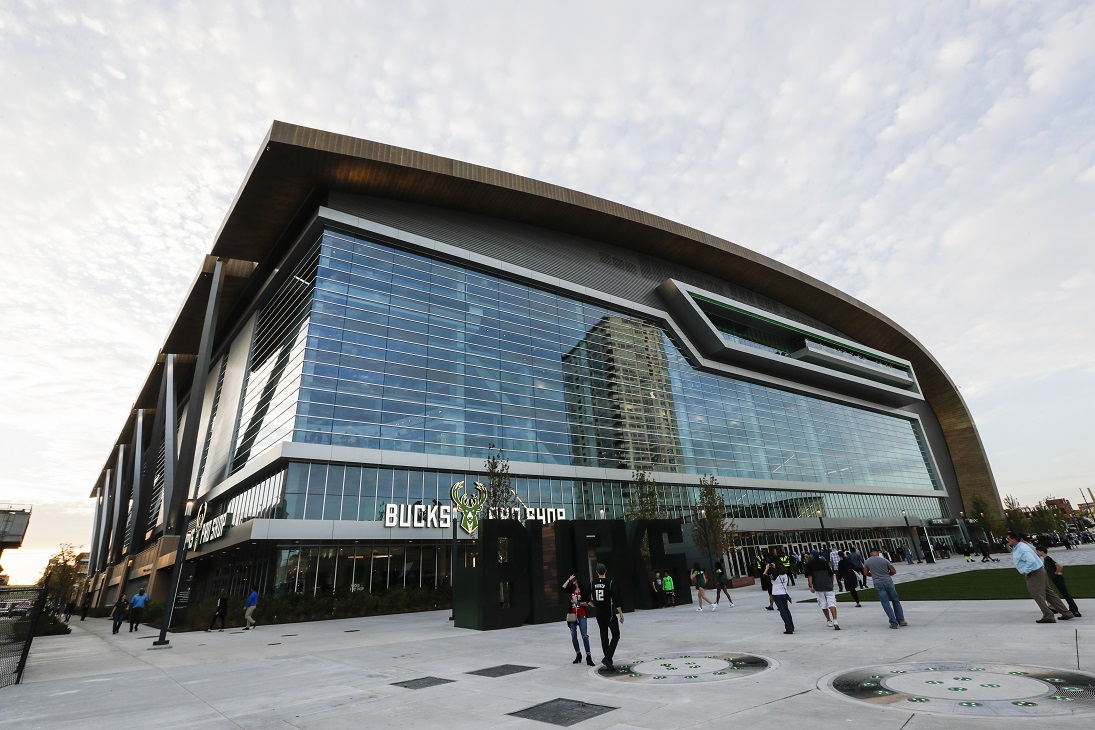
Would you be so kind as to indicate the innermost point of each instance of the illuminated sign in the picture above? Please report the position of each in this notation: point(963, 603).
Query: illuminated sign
point(440, 516)
point(205, 531)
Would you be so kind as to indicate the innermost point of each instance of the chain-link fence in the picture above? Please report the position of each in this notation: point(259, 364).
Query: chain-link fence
point(19, 612)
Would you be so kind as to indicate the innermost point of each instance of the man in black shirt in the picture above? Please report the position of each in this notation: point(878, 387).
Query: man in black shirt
point(1053, 569)
point(609, 614)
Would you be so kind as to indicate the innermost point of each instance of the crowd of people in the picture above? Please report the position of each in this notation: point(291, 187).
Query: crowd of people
point(826, 572)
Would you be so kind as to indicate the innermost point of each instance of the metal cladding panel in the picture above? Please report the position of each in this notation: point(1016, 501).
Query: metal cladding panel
point(220, 444)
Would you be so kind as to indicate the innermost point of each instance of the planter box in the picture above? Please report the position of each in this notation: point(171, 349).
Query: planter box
point(742, 582)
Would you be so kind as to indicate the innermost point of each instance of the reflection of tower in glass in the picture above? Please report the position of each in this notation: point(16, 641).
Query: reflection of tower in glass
point(619, 398)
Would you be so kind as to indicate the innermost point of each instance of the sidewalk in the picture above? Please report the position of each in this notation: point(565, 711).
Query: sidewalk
point(340, 674)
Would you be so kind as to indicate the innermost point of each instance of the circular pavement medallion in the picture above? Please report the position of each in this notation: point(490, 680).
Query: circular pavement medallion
point(693, 668)
point(969, 689)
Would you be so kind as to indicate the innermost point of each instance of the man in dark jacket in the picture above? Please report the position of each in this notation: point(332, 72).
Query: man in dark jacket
point(610, 615)
point(222, 611)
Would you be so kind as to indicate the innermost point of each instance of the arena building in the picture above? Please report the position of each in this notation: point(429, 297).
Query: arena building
point(371, 320)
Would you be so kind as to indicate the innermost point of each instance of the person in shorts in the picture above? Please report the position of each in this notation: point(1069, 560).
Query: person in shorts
point(723, 583)
point(699, 579)
point(819, 576)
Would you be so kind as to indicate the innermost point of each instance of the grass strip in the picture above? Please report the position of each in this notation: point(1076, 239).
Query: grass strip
point(994, 584)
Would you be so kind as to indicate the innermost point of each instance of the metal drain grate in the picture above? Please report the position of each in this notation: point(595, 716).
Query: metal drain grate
point(502, 670)
point(422, 682)
point(563, 712)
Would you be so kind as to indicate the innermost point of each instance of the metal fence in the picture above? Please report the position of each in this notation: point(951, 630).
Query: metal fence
point(19, 612)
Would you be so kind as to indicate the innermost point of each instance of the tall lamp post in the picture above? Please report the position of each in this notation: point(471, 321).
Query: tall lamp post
point(912, 540)
point(985, 529)
point(452, 562)
point(824, 532)
point(176, 576)
point(707, 539)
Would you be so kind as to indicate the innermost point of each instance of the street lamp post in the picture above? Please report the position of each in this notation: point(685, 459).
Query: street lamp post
point(824, 533)
point(176, 576)
point(916, 550)
point(707, 539)
point(985, 529)
point(452, 564)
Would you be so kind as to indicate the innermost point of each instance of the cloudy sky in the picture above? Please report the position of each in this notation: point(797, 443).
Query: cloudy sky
point(935, 160)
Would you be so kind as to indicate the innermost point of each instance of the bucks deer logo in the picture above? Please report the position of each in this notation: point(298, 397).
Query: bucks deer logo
point(469, 508)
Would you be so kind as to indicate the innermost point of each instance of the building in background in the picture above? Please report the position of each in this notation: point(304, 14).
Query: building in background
point(371, 319)
point(14, 519)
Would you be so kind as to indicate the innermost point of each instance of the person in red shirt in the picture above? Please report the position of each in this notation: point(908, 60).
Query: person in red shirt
point(576, 619)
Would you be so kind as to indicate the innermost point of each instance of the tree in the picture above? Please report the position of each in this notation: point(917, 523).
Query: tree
point(983, 512)
point(1014, 519)
point(62, 571)
point(1047, 516)
point(501, 501)
point(712, 532)
point(642, 503)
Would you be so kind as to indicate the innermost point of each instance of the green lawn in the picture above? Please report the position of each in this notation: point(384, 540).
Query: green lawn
point(982, 585)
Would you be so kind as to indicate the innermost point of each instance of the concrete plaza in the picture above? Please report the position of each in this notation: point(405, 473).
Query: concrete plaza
point(341, 674)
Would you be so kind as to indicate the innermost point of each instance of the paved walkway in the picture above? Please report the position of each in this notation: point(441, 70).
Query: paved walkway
point(340, 674)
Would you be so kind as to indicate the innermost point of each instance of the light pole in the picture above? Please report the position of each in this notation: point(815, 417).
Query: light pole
point(824, 533)
point(452, 561)
point(916, 550)
point(707, 539)
point(985, 529)
point(176, 576)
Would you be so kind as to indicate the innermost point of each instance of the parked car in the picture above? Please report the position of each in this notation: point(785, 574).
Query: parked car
point(20, 609)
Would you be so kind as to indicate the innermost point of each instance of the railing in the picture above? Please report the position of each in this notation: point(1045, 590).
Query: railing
point(857, 359)
point(20, 609)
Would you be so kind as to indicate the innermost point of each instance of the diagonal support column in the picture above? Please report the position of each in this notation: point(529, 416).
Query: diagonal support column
point(134, 543)
point(189, 442)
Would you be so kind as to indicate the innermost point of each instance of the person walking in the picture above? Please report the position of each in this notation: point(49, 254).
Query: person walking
point(1055, 572)
point(777, 575)
point(856, 559)
point(136, 609)
point(85, 606)
point(847, 571)
point(249, 609)
point(576, 619)
point(70, 608)
point(606, 602)
point(907, 549)
point(819, 576)
point(766, 579)
point(118, 612)
point(723, 587)
point(1034, 572)
point(221, 612)
point(882, 572)
point(699, 579)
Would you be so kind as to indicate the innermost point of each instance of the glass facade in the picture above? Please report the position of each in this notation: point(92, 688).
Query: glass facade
point(406, 353)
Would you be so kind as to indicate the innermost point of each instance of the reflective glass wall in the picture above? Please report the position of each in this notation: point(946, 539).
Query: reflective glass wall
point(405, 353)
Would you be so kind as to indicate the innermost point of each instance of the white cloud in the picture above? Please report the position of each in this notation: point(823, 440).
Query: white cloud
point(934, 162)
